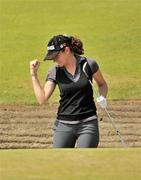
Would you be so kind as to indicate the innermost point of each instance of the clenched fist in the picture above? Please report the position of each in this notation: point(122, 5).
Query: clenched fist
point(34, 66)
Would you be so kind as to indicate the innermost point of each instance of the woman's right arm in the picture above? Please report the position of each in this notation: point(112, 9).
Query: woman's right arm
point(42, 94)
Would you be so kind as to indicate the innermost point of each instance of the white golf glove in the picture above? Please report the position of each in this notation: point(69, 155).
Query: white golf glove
point(102, 101)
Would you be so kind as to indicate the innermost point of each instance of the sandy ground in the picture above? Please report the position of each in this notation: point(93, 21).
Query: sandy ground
point(31, 126)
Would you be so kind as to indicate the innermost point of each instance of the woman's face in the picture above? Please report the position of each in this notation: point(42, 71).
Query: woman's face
point(62, 57)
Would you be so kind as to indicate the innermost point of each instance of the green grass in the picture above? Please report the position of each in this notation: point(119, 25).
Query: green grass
point(109, 29)
point(68, 164)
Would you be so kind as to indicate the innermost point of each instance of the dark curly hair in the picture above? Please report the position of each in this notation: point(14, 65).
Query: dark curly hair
point(74, 43)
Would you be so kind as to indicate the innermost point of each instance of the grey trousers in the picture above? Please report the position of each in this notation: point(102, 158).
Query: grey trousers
point(82, 135)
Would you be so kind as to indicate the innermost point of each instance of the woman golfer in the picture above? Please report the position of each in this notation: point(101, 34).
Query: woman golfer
point(76, 123)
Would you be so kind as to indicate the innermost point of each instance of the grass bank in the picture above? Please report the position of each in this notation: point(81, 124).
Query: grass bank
point(52, 164)
point(109, 29)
